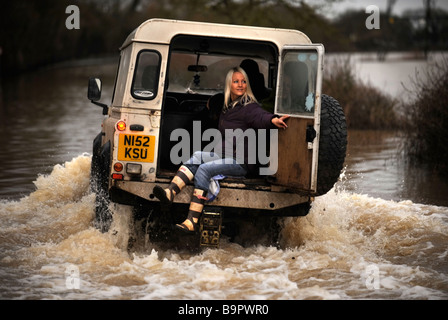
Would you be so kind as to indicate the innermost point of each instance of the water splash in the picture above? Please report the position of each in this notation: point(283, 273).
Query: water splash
point(325, 255)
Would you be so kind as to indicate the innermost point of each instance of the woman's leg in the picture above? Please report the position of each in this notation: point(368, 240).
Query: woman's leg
point(183, 176)
point(198, 158)
point(194, 212)
point(180, 180)
point(204, 173)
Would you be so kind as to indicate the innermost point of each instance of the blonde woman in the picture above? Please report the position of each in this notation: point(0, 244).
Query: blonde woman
point(241, 112)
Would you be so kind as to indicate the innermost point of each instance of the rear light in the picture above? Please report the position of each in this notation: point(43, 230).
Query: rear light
point(133, 168)
point(117, 176)
point(121, 125)
point(118, 167)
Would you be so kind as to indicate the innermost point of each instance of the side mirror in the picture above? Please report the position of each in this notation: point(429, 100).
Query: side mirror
point(94, 89)
point(94, 93)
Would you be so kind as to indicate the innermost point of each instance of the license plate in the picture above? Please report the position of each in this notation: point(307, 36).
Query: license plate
point(133, 147)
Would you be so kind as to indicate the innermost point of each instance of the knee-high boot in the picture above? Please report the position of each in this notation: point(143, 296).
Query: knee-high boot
point(190, 225)
point(180, 180)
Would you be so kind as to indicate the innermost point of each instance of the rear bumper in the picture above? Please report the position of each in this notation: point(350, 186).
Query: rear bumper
point(233, 195)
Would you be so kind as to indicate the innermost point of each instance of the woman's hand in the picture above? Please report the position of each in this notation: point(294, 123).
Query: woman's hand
point(280, 122)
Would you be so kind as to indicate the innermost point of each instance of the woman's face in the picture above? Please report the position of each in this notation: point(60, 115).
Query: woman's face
point(239, 85)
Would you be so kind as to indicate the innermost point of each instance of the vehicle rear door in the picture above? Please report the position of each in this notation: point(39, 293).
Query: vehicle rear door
point(298, 95)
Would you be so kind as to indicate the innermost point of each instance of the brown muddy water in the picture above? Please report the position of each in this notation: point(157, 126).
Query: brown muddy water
point(381, 233)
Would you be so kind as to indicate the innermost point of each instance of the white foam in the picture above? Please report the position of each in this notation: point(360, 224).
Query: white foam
point(325, 255)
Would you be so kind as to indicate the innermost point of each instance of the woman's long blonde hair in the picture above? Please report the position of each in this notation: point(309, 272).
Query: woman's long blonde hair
point(247, 98)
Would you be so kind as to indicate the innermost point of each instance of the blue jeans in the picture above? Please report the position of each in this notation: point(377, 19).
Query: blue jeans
point(205, 165)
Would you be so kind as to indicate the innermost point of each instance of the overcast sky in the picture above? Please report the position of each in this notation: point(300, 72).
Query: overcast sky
point(398, 8)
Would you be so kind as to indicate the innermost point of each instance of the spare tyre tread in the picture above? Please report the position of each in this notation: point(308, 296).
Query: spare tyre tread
point(332, 144)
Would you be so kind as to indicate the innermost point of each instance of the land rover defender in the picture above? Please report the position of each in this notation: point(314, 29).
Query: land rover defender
point(168, 72)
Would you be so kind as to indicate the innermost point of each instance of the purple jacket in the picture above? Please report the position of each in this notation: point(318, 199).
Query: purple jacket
point(251, 116)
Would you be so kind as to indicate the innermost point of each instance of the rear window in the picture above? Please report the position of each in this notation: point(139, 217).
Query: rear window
point(206, 73)
point(298, 82)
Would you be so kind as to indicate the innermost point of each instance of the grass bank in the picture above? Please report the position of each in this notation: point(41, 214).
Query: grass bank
point(365, 106)
point(423, 122)
point(426, 118)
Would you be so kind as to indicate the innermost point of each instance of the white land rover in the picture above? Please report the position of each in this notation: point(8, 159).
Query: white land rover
point(168, 71)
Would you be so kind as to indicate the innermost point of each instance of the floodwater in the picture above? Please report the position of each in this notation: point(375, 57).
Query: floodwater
point(381, 233)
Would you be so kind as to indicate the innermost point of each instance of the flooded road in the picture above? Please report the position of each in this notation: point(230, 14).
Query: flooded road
point(381, 233)
point(377, 166)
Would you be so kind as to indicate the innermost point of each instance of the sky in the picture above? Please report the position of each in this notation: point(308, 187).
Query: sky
point(398, 8)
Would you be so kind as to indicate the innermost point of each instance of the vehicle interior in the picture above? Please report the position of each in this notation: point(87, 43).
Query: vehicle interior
point(197, 69)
